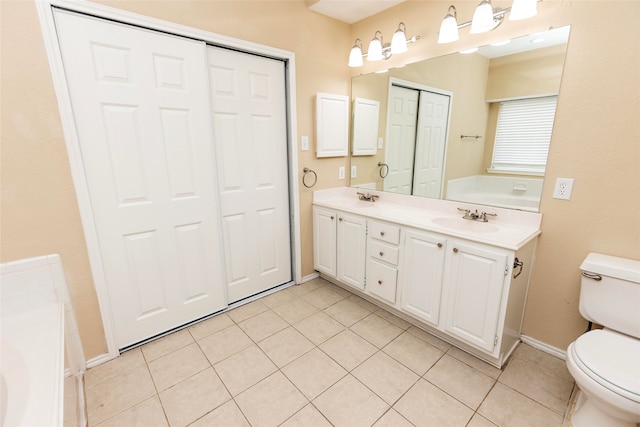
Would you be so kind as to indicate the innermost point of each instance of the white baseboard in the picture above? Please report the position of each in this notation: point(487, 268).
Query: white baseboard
point(561, 354)
point(310, 277)
point(98, 360)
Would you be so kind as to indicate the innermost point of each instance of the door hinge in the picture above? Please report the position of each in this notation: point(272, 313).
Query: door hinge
point(506, 269)
point(495, 341)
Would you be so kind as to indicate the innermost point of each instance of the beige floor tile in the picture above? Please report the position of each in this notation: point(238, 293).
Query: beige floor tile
point(322, 297)
point(271, 401)
point(347, 312)
point(474, 362)
point(172, 368)
point(349, 403)
point(210, 326)
point(295, 310)
point(147, 413)
point(313, 373)
point(224, 343)
point(532, 381)
point(246, 311)
point(339, 290)
point(70, 413)
point(460, 380)
point(110, 397)
point(285, 346)
point(263, 325)
point(275, 299)
point(400, 323)
point(244, 369)
point(226, 415)
point(167, 344)
point(480, 421)
point(194, 397)
point(319, 327)
point(429, 338)
point(392, 419)
point(376, 330)
point(120, 365)
point(348, 349)
point(413, 352)
point(508, 408)
point(308, 416)
point(551, 364)
point(364, 303)
point(387, 377)
point(309, 286)
point(426, 405)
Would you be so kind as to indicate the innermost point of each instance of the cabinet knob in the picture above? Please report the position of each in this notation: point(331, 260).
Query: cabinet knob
point(455, 250)
point(331, 216)
point(379, 282)
point(381, 253)
point(382, 233)
point(339, 219)
point(439, 245)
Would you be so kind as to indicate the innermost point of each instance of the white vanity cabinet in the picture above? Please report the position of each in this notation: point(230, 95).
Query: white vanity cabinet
point(463, 281)
point(475, 277)
point(421, 274)
point(339, 245)
point(382, 260)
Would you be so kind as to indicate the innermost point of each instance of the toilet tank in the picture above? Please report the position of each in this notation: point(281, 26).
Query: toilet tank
point(610, 292)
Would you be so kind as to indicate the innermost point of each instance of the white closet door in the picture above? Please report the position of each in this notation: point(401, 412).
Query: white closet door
point(401, 139)
point(431, 139)
point(249, 122)
point(142, 114)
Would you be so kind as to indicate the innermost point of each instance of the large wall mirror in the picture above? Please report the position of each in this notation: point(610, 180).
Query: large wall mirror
point(471, 127)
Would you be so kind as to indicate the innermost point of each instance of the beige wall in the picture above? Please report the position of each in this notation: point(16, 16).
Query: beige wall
point(595, 140)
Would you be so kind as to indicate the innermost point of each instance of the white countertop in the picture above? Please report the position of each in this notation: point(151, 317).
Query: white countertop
point(32, 367)
point(510, 229)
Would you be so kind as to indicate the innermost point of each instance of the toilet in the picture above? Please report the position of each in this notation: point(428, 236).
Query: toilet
point(605, 363)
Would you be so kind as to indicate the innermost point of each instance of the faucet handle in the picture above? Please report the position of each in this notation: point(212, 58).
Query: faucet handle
point(484, 216)
point(467, 213)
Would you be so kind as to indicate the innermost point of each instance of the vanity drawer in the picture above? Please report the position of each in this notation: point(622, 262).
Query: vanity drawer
point(383, 252)
point(381, 280)
point(385, 232)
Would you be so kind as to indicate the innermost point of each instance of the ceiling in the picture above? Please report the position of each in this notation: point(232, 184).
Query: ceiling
point(351, 11)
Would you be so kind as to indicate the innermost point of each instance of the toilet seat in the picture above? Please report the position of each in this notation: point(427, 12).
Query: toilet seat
point(611, 359)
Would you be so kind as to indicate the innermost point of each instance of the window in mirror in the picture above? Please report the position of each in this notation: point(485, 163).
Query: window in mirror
point(523, 133)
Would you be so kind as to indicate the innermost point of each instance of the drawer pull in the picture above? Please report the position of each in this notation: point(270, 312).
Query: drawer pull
point(382, 233)
point(339, 219)
point(455, 250)
point(439, 245)
point(331, 216)
point(381, 253)
point(379, 282)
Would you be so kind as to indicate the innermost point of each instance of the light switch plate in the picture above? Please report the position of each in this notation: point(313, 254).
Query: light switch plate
point(304, 142)
point(353, 172)
point(380, 142)
point(341, 172)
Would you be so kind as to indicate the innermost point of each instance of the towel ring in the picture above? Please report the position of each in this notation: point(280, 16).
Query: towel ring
point(308, 171)
point(382, 168)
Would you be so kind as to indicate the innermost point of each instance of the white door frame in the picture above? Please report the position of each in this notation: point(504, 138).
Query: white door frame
point(45, 14)
point(417, 86)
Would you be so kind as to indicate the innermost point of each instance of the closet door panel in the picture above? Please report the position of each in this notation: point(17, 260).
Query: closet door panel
point(144, 128)
point(250, 136)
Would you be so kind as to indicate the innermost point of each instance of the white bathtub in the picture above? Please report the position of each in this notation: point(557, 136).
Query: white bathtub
point(499, 191)
point(32, 367)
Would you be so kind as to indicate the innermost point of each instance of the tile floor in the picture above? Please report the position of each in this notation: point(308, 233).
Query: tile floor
point(317, 355)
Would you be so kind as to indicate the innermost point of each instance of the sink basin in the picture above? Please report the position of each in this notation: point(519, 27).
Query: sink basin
point(465, 225)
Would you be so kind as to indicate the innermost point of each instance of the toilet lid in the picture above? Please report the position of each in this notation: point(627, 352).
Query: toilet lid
point(613, 357)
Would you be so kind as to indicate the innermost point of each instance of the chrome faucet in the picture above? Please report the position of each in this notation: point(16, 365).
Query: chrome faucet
point(475, 216)
point(367, 197)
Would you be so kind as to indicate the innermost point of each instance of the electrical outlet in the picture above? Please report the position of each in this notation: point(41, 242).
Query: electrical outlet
point(304, 142)
point(341, 172)
point(380, 142)
point(353, 172)
point(563, 188)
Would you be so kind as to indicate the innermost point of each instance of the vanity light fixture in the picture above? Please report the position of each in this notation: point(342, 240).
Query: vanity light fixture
point(379, 50)
point(485, 18)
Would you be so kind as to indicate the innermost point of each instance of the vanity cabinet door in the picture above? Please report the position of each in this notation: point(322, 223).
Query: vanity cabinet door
point(351, 249)
point(324, 241)
point(421, 273)
point(474, 275)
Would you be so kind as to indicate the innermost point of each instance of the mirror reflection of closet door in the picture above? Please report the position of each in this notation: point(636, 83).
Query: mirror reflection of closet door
point(401, 137)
